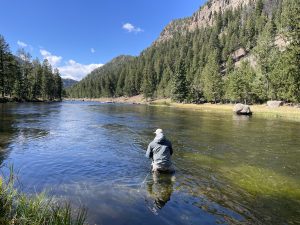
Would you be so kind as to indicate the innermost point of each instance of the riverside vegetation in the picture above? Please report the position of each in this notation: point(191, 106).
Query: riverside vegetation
point(22, 79)
point(18, 209)
point(202, 66)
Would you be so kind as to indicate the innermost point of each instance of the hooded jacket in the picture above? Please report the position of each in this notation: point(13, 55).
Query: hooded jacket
point(160, 151)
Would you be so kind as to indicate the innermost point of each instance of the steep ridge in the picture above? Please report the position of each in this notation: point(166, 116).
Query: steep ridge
point(200, 19)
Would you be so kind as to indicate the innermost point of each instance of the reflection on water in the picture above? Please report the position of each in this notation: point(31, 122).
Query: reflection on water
point(160, 189)
point(229, 169)
point(6, 132)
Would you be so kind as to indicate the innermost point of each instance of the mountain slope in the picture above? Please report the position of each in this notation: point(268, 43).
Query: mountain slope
point(68, 82)
point(198, 58)
point(204, 17)
point(100, 81)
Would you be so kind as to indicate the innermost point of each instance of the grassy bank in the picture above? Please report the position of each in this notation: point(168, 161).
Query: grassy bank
point(285, 112)
point(18, 209)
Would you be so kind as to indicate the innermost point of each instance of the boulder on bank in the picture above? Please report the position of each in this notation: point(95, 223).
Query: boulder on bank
point(274, 104)
point(241, 109)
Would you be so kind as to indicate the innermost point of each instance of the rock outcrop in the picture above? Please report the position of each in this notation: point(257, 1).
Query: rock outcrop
point(241, 109)
point(202, 18)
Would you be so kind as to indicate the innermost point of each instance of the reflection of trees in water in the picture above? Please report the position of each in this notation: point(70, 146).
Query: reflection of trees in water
point(160, 189)
point(6, 132)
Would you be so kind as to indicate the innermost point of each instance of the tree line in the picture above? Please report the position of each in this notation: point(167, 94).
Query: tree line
point(200, 66)
point(24, 79)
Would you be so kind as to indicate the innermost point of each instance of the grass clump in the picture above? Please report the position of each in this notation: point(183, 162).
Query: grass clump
point(160, 103)
point(18, 209)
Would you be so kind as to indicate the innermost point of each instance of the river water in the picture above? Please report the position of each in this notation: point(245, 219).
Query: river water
point(229, 169)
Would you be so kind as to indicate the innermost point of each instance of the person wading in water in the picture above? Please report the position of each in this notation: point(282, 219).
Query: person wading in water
point(160, 151)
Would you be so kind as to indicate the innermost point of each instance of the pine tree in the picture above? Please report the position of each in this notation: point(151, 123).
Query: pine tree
point(58, 85)
point(148, 86)
point(229, 65)
point(35, 78)
point(46, 85)
point(25, 67)
point(4, 54)
point(179, 83)
point(263, 51)
point(211, 80)
point(11, 75)
point(291, 24)
point(239, 84)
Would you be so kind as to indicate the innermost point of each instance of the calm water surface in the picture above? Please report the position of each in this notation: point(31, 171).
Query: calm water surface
point(229, 169)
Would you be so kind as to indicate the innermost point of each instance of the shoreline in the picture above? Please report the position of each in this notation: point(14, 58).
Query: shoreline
point(15, 100)
point(284, 112)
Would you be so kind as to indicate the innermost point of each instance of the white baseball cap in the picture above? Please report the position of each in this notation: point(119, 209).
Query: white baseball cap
point(158, 131)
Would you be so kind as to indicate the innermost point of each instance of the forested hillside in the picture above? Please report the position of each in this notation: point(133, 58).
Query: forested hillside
point(23, 79)
point(68, 82)
point(108, 80)
point(243, 53)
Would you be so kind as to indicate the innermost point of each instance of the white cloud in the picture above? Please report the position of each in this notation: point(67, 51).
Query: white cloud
point(93, 50)
point(71, 69)
point(53, 59)
point(75, 70)
point(22, 44)
point(131, 28)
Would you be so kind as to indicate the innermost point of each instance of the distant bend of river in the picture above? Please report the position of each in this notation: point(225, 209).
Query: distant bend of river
point(229, 169)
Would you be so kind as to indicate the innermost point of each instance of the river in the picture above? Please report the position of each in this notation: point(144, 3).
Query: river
point(229, 169)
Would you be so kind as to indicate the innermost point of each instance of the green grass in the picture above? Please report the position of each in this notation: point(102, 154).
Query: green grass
point(160, 103)
point(18, 209)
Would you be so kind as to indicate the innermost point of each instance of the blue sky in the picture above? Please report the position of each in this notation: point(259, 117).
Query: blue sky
point(79, 35)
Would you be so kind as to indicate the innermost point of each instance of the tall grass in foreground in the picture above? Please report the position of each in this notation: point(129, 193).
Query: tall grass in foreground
point(18, 209)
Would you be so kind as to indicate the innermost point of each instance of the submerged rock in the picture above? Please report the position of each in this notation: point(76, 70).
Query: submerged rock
point(274, 104)
point(241, 109)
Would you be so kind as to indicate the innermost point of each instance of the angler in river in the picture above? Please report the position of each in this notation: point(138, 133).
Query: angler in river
point(160, 151)
point(161, 187)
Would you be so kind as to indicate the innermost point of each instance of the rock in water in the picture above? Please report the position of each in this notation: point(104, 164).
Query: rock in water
point(274, 104)
point(241, 109)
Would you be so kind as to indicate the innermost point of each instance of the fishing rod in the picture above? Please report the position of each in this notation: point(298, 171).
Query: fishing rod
point(143, 139)
point(143, 182)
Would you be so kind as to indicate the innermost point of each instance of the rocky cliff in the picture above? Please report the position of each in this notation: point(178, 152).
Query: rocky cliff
point(201, 18)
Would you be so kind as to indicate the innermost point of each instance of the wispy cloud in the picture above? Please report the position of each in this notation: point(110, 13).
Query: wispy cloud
point(22, 44)
point(75, 70)
point(131, 28)
point(54, 60)
point(93, 50)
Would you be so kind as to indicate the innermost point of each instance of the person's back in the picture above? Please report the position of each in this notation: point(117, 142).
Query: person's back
point(160, 151)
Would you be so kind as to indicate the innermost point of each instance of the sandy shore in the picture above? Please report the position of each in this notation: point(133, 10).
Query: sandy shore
point(288, 112)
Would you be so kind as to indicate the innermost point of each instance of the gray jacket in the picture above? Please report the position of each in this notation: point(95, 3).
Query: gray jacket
point(160, 151)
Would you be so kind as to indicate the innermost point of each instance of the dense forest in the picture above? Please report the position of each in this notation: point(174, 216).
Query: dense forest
point(23, 79)
point(203, 65)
